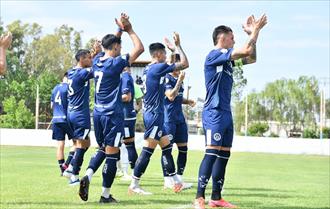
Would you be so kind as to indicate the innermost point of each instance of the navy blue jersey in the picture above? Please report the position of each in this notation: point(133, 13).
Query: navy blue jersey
point(78, 91)
point(154, 77)
point(59, 99)
point(173, 109)
point(108, 83)
point(218, 79)
point(127, 86)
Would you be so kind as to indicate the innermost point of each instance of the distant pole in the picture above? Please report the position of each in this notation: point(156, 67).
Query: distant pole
point(37, 108)
point(246, 114)
point(321, 115)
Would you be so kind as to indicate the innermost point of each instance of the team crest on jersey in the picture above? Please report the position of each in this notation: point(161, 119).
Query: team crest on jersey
point(160, 133)
point(170, 137)
point(224, 51)
point(217, 136)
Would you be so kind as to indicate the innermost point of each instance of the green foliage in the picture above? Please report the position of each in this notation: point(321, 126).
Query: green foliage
point(311, 133)
point(257, 129)
point(292, 103)
point(37, 60)
point(326, 133)
point(16, 115)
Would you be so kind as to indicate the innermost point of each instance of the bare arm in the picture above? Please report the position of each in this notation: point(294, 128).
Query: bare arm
point(5, 41)
point(183, 64)
point(138, 46)
point(189, 102)
point(248, 51)
point(172, 93)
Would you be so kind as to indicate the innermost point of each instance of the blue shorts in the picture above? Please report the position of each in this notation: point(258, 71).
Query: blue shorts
point(218, 127)
point(129, 128)
point(80, 125)
point(109, 129)
point(60, 130)
point(177, 132)
point(154, 125)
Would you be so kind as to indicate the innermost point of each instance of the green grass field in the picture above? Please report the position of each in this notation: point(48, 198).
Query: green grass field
point(30, 179)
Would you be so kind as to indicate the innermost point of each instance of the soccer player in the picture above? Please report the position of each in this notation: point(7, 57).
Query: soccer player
point(5, 41)
point(78, 111)
point(217, 117)
point(108, 109)
point(59, 104)
point(128, 95)
point(175, 123)
point(154, 76)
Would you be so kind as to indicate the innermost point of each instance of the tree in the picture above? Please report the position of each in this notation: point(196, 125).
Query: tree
point(17, 115)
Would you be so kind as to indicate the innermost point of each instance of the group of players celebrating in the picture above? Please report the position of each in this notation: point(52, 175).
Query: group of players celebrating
point(114, 115)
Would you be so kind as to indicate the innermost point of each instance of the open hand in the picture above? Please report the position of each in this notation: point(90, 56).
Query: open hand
point(176, 38)
point(169, 45)
point(5, 40)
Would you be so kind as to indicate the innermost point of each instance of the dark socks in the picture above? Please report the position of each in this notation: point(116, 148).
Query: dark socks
point(167, 161)
point(182, 159)
point(218, 174)
point(205, 171)
point(142, 162)
point(78, 159)
point(132, 154)
point(97, 160)
point(109, 169)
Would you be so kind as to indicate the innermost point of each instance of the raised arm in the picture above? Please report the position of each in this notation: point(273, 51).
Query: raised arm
point(183, 63)
point(138, 46)
point(189, 102)
point(5, 41)
point(248, 52)
point(171, 47)
point(172, 93)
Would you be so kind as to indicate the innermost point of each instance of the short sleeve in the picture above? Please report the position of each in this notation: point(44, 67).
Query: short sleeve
point(87, 74)
point(165, 68)
point(218, 57)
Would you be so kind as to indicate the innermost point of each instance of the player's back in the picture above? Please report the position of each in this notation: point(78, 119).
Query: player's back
point(108, 83)
point(154, 77)
point(173, 109)
point(59, 99)
point(78, 90)
point(218, 79)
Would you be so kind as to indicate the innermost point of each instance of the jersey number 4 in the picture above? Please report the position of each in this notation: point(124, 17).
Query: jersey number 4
point(58, 98)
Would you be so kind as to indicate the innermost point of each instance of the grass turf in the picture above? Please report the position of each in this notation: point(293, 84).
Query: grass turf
point(30, 179)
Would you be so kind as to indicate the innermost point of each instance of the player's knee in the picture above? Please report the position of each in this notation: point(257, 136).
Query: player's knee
point(224, 154)
point(111, 150)
point(183, 148)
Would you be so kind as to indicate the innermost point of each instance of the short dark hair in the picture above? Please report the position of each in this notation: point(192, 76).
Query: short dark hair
point(109, 39)
point(65, 74)
point(220, 30)
point(156, 47)
point(81, 53)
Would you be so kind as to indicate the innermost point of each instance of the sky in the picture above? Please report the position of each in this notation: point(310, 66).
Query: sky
point(295, 41)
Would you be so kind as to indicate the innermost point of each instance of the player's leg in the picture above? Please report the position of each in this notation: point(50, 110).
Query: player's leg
point(168, 163)
point(170, 129)
point(213, 144)
point(59, 136)
point(153, 131)
point(219, 167)
point(181, 140)
point(69, 133)
point(113, 131)
point(129, 141)
point(141, 166)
